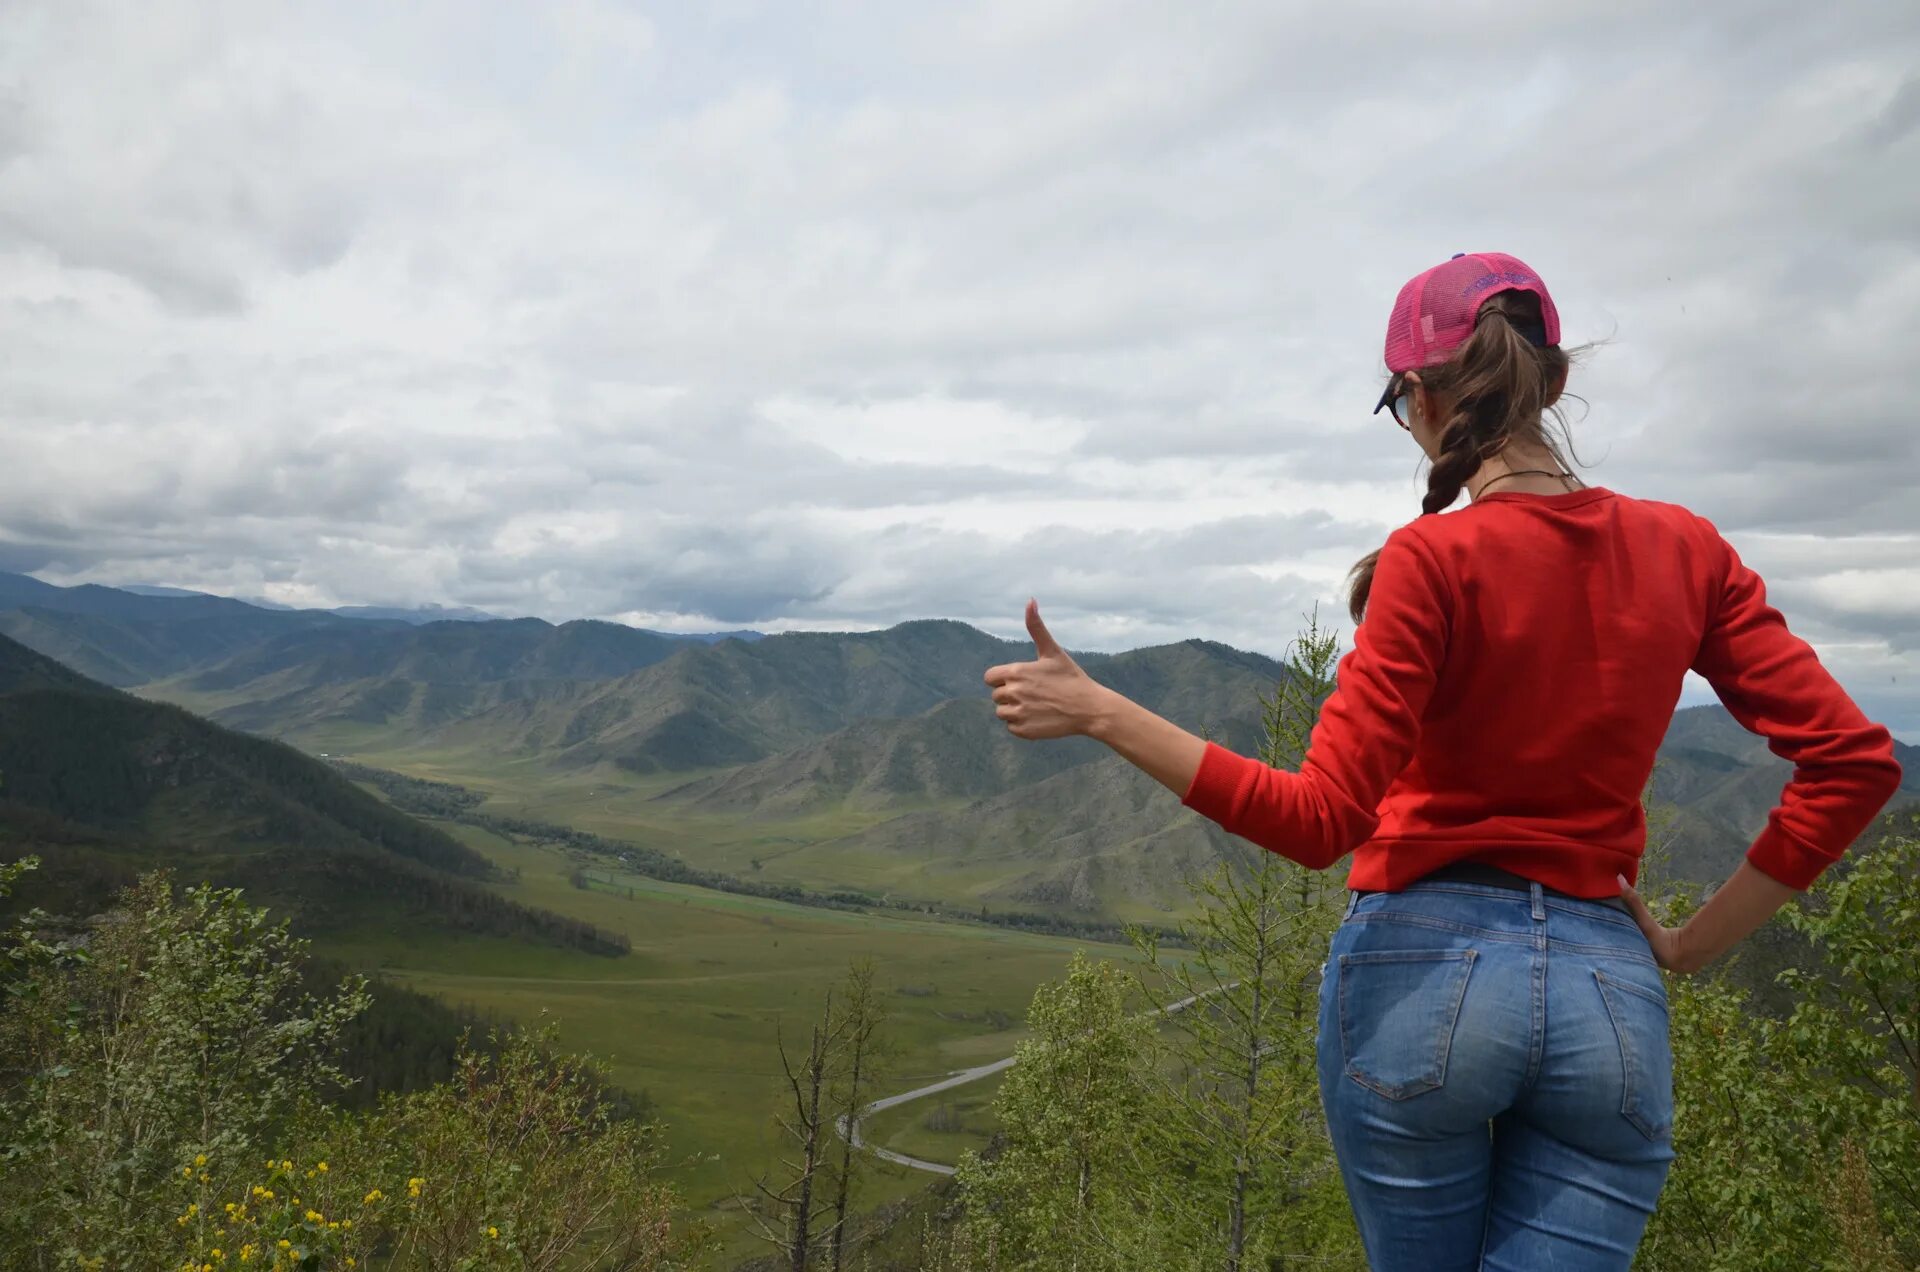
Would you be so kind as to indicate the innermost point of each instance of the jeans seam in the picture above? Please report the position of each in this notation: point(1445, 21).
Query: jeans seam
point(1444, 925)
point(1491, 934)
point(1614, 951)
point(1629, 1106)
point(1607, 914)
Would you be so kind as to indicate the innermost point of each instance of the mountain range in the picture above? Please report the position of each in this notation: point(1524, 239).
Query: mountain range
point(130, 636)
point(887, 738)
point(100, 784)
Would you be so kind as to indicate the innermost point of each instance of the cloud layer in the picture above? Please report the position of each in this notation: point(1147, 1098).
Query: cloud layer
point(832, 315)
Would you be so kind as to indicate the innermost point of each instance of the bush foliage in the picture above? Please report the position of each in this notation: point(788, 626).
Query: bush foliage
point(164, 1084)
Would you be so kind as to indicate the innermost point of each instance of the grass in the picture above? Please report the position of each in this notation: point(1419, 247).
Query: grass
point(692, 1015)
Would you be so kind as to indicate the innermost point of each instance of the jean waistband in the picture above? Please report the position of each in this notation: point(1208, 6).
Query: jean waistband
point(1493, 876)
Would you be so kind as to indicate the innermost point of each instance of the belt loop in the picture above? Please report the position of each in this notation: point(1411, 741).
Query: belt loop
point(1353, 903)
point(1539, 901)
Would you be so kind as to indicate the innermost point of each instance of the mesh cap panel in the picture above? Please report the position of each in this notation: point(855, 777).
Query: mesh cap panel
point(1434, 312)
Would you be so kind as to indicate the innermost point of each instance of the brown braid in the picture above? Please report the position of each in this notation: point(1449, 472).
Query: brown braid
point(1496, 388)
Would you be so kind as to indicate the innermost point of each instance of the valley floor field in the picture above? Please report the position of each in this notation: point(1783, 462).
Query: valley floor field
point(817, 850)
point(691, 1015)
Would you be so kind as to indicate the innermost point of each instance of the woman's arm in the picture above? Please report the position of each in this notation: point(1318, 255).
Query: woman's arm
point(1367, 732)
point(1844, 770)
point(1153, 744)
point(1740, 907)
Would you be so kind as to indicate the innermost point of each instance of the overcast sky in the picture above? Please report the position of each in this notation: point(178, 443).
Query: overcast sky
point(830, 315)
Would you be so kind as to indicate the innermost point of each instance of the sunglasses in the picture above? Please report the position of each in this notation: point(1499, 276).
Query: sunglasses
point(1398, 399)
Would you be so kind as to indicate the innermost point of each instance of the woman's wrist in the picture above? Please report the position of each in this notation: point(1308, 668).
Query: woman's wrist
point(1104, 712)
point(1736, 910)
point(1691, 953)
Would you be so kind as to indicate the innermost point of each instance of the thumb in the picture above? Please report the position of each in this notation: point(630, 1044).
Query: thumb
point(1043, 642)
point(1641, 914)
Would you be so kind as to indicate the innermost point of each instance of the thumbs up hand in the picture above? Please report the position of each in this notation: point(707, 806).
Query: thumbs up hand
point(1050, 697)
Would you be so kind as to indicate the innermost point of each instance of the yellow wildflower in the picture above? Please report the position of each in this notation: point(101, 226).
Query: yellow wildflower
point(372, 1197)
point(285, 1244)
point(286, 1165)
point(321, 1167)
point(200, 1160)
point(493, 1233)
point(314, 1216)
point(186, 1172)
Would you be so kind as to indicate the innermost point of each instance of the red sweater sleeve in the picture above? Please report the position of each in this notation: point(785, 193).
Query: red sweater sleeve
point(1367, 732)
point(1772, 682)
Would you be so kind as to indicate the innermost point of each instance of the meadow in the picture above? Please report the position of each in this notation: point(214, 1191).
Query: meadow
point(816, 850)
point(693, 1014)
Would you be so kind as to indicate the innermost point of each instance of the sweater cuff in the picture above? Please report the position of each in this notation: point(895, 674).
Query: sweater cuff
point(1786, 858)
point(1216, 783)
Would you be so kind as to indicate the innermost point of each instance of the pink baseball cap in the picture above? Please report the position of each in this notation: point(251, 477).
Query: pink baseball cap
point(1435, 311)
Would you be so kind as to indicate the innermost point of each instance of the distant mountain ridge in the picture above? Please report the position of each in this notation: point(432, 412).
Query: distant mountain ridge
point(890, 730)
point(132, 635)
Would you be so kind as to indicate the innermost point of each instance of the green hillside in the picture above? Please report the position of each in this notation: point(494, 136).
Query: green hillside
point(700, 706)
point(101, 784)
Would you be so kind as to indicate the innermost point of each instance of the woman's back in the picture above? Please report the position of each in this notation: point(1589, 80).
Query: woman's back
point(1572, 620)
point(1518, 667)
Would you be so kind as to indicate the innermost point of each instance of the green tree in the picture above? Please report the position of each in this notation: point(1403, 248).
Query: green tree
point(1798, 1139)
point(176, 1031)
point(1857, 1026)
point(519, 1161)
point(1237, 1166)
point(1056, 1192)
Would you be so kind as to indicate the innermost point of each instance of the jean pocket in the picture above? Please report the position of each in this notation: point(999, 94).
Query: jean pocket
point(1640, 1022)
point(1397, 1013)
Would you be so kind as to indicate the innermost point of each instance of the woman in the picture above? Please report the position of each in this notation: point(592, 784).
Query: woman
point(1494, 1059)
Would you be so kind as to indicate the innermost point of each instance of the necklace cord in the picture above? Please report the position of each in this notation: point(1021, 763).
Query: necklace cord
point(1524, 472)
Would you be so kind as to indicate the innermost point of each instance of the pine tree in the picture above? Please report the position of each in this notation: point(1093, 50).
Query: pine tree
point(1237, 1164)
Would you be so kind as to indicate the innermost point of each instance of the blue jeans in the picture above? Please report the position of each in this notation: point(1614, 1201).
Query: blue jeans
point(1497, 1078)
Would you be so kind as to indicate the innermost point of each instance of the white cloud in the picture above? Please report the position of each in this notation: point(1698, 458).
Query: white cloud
point(839, 314)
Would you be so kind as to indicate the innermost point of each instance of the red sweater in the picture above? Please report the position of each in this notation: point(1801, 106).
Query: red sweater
point(1518, 667)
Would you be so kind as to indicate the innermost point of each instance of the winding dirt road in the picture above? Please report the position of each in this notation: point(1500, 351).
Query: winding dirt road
point(958, 1078)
